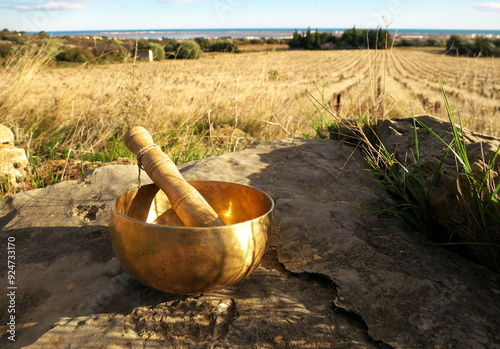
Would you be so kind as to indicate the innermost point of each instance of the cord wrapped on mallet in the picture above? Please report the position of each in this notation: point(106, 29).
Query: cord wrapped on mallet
point(192, 209)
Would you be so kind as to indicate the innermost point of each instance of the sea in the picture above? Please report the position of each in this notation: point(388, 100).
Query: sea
point(250, 33)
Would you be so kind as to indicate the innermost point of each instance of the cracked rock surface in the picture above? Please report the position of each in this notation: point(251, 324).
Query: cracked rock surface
point(337, 275)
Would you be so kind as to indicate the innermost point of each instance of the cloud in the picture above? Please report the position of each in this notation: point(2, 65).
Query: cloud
point(492, 8)
point(51, 5)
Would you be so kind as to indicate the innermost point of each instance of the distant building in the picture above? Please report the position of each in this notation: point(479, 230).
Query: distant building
point(328, 46)
point(145, 54)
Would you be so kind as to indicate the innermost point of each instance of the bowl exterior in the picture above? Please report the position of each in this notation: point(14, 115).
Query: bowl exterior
point(184, 260)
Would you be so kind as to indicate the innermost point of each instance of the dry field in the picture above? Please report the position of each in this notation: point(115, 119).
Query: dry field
point(262, 47)
point(83, 109)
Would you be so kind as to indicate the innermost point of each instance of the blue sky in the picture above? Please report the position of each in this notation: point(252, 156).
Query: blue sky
point(53, 15)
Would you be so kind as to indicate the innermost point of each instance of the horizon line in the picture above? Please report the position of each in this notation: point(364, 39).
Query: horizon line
point(254, 29)
point(267, 28)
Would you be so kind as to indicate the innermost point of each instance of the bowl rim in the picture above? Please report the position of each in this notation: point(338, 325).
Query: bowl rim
point(267, 213)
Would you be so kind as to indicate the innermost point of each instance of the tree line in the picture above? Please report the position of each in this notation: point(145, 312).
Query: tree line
point(164, 48)
point(381, 39)
point(103, 49)
point(476, 47)
point(350, 39)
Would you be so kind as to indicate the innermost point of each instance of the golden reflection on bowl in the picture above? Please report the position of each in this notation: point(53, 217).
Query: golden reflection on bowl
point(159, 251)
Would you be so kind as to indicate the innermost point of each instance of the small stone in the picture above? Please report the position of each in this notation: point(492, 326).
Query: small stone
point(13, 161)
point(6, 137)
point(278, 339)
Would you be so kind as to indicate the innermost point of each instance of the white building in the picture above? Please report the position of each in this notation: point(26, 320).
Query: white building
point(145, 54)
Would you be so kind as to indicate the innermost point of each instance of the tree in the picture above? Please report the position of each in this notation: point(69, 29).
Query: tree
point(296, 41)
point(378, 39)
point(317, 40)
point(362, 38)
point(309, 40)
point(481, 46)
point(354, 37)
point(484, 47)
point(460, 45)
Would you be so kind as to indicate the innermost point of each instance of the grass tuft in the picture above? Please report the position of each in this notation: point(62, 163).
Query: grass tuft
point(414, 183)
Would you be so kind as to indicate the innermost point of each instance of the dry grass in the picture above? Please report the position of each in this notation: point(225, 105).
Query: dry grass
point(472, 85)
point(63, 112)
point(262, 47)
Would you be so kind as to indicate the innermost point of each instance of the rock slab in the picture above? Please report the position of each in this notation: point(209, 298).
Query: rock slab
point(342, 272)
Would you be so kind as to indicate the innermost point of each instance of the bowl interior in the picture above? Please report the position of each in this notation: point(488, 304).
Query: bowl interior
point(235, 203)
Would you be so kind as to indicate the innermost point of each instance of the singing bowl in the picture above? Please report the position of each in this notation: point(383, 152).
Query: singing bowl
point(157, 250)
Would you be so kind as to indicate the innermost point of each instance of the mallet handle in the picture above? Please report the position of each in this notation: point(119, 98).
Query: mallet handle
point(187, 202)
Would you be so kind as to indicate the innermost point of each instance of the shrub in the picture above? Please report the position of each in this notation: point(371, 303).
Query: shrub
point(143, 44)
point(224, 45)
point(170, 45)
point(13, 36)
point(126, 47)
point(435, 43)
point(204, 43)
point(158, 52)
point(75, 54)
point(189, 49)
point(5, 50)
point(157, 48)
point(421, 43)
point(271, 41)
point(112, 57)
point(256, 41)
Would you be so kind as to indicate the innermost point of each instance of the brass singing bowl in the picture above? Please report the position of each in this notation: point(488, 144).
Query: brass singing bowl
point(156, 249)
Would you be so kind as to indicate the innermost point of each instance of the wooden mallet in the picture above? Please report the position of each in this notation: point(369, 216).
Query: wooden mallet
point(192, 209)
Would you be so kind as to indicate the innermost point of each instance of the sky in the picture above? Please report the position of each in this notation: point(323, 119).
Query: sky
point(49, 16)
